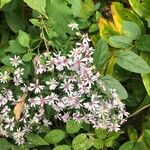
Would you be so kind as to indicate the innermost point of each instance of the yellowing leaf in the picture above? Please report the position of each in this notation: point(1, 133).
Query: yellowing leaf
point(116, 16)
point(107, 28)
point(119, 14)
point(19, 106)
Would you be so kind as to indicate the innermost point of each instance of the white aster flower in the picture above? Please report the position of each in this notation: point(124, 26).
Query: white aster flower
point(36, 87)
point(19, 72)
point(15, 61)
point(52, 84)
point(73, 26)
point(18, 136)
point(10, 123)
point(4, 77)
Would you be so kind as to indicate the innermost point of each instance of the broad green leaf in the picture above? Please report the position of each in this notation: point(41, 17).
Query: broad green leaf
point(112, 136)
point(127, 146)
point(112, 83)
point(19, 147)
point(93, 28)
point(120, 41)
point(38, 5)
point(98, 143)
point(4, 144)
point(3, 2)
point(132, 133)
point(35, 140)
point(101, 53)
point(132, 62)
point(142, 8)
point(131, 30)
point(24, 38)
point(140, 146)
point(87, 8)
point(146, 77)
point(60, 15)
point(75, 7)
point(15, 20)
point(146, 135)
point(101, 133)
point(6, 60)
point(28, 57)
point(62, 147)
point(16, 48)
point(54, 136)
point(143, 43)
point(82, 142)
point(72, 127)
point(35, 22)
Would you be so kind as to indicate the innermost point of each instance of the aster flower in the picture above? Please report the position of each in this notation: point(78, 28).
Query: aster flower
point(10, 124)
point(73, 26)
point(17, 81)
point(15, 61)
point(18, 136)
point(52, 84)
point(36, 87)
point(19, 72)
point(41, 101)
point(4, 77)
point(67, 86)
point(3, 100)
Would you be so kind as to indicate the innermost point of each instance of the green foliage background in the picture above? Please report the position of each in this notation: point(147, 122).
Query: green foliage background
point(121, 37)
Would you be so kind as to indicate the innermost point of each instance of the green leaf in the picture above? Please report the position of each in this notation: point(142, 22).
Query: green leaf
point(82, 142)
point(142, 8)
point(146, 136)
point(93, 28)
point(112, 83)
point(62, 147)
point(3, 2)
point(6, 60)
point(101, 53)
point(72, 127)
point(87, 8)
point(120, 41)
point(4, 144)
point(19, 147)
point(132, 133)
point(60, 15)
point(112, 136)
point(23, 39)
point(54, 136)
point(35, 140)
point(132, 62)
point(38, 5)
point(15, 20)
point(143, 43)
point(75, 7)
point(101, 133)
point(127, 146)
point(28, 57)
point(131, 30)
point(140, 146)
point(98, 143)
point(16, 48)
point(146, 77)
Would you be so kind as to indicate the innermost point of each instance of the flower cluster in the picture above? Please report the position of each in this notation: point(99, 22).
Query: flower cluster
point(63, 87)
